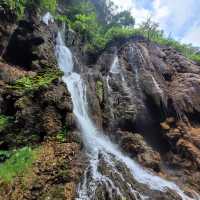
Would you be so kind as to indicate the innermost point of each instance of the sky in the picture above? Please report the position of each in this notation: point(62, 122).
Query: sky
point(178, 18)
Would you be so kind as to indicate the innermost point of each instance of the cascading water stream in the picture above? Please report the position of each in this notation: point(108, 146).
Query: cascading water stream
point(47, 18)
point(115, 68)
point(101, 150)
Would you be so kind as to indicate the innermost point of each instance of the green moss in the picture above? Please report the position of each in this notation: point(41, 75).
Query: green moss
point(4, 155)
point(17, 164)
point(43, 79)
point(62, 136)
point(4, 121)
point(17, 6)
point(99, 90)
point(63, 19)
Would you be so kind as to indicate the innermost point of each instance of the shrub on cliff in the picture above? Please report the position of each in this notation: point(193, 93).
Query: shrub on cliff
point(17, 164)
point(4, 121)
point(19, 6)
point(99, 23)
point(43, 79)
point(16, 5)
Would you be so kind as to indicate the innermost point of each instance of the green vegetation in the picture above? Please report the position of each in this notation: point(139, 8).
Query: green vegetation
point(19, 6)
point(4, 121)
point(16, 5)
point(42, 79)
point(62, 136)
point(4, 155)
point(187, 50)
point(98, 24)
point(17, 164)
point(151, 31)
point(99, 90)
point(49, 5)
point(82, 17)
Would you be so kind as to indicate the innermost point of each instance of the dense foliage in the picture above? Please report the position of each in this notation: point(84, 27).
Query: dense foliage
point(19, 6)
point(98, 23)
point(20, 161)
point(95, 23)
point(43, 79)
point(4, 121)
point(151, 30)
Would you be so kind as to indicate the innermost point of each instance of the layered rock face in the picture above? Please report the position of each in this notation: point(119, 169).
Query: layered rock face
point(145, 97)
point(36, 111)
point(139, 87)
point(37, 107)
point(54, 175)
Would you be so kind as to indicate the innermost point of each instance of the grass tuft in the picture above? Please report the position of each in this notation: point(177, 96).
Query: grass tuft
point(43, 79)
point(4, 121)
point(17, 164)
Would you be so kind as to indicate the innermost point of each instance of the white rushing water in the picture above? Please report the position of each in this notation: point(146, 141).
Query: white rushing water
point(115, 68)
point(96, 144)
point(48, 18)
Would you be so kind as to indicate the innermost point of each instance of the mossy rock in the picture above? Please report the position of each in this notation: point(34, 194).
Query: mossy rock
point(56, 193)
point(99, 90)
point(17, 164)
point(22, 102)
point(41, 80)
point(4, 122)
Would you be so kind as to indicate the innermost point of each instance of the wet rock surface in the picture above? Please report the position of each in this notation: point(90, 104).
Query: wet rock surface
point(149, 106)
point(7, 26)
point(135, 145)
point(117, 182)
point(155, 93)
point(38, 111)
point(35, 112)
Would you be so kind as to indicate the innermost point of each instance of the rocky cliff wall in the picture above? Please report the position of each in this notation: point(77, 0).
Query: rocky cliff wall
point(37, 109)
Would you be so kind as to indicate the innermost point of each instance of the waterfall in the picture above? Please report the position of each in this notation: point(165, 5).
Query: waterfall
point(115, 68)
point(133, 51)
point(64, 55)
point(48, 18)
point(159, 90)
point(103, 154)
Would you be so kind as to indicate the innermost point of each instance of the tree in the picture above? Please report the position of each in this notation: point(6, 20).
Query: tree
point(104, 10)
point(151, 29)
point(123, 18)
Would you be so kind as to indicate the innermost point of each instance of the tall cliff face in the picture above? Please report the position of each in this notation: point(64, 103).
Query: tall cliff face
point(37, 109)
point(145, 97)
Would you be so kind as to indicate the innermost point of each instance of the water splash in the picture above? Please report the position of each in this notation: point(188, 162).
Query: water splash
point(133, 52)
point(48, 18)
point(100, 148)
point(64, 55)
point(115, 68)
point(158, 89)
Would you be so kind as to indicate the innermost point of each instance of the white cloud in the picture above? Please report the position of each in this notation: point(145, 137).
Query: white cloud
point(192, 36)
point(127, 4)
point(180, 13)
point(176, 17)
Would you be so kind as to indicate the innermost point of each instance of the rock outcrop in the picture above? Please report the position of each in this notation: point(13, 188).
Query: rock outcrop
point(32, 93)
point(149, 104)
point(155, 93)
point(54, 174)
point(38, 109)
